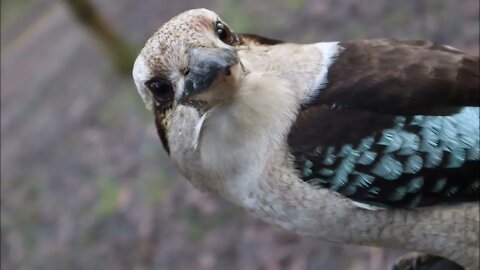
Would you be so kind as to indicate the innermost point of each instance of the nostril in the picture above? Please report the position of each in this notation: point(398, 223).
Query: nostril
point(186, 71)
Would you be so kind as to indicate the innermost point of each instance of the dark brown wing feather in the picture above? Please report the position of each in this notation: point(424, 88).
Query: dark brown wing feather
point(402, 77)
point(252, 38)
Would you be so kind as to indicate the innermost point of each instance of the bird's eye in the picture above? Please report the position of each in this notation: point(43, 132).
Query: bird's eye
point(162, 90)
point(223, 33)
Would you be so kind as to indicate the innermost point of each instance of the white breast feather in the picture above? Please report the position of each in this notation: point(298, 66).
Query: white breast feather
point(235, 138)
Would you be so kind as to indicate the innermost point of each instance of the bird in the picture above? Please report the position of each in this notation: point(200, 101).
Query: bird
point(368, 142)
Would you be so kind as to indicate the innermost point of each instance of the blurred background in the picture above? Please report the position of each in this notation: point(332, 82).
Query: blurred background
point(85, 181)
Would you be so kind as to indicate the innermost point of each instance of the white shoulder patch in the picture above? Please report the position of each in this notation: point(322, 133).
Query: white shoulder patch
point(329, 51)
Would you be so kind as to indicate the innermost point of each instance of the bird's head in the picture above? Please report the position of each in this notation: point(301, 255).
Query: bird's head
point(191, 59)
point(196, 63)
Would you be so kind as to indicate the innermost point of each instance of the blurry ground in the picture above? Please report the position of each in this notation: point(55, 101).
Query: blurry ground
point(85, 182)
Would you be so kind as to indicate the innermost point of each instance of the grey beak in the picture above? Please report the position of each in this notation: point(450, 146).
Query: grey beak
point(203, 67)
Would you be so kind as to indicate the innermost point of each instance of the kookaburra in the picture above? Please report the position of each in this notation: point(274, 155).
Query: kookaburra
point(371, 142)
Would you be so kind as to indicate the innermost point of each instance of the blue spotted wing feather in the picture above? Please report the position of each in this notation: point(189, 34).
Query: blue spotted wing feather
point(390, 141)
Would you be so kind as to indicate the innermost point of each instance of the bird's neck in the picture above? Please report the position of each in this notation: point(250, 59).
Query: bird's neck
point(236, 137)
point(304, 66)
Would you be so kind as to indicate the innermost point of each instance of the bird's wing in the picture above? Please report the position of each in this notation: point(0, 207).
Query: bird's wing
point(398, 76)
point(397, 125)
point(256, 39)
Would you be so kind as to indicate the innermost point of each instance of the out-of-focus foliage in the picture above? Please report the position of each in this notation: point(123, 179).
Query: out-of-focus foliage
point(121, 53)
point(85, 182)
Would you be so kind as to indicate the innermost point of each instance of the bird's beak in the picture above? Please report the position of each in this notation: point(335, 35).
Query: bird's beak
point(204, 66)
